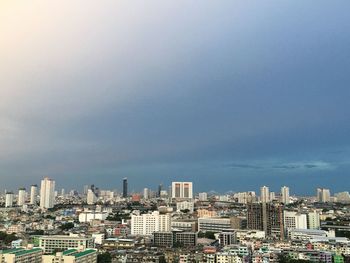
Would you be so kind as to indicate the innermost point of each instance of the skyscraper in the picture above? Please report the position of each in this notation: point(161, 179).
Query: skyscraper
point(47, 193)
point(182, 190)
point(323, 195)
point(285, 195)
point(21, 196)
point(33, 194)
point(267, 217)
point(125, 187)
point(264, 194)
point(9, 199)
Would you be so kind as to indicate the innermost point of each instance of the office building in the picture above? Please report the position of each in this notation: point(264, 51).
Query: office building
point(125, 187)
point(50, 244)
point(21, 196)
point(91, 197)
point(323, 195)
point(343, 197)
point(267, 217)
point(285, 195)
point(183, 206)
point(146, 224)
point(214, 224)
point(72, 256)
point(47, 193)
point(181, 190)
point(264, 194)
point(21, 255)
point(33, 194)
point(9, 199)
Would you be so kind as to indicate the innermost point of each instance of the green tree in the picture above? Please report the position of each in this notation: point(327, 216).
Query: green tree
point(104, 258)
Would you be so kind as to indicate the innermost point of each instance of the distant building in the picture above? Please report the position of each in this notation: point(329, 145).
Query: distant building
point(227, 238)
point(9, 199)
point(125, 187)
point(323, 195)
point(21, 196)
point(182, 190)
point(294, 220)
point(313, 220)
point(203, 196)
point(146, 193)
point(47, 193)
point(264, 194)
point(285, 199)
point(33, 194)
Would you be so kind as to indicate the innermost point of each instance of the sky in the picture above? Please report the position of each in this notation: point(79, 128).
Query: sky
point(231, 95)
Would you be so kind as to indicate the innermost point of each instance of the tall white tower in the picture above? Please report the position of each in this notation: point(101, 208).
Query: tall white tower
point(285, 195)
point(264, 194)
point(9, 199)
point(47, 193)
point(33, 194)
point(21, 196)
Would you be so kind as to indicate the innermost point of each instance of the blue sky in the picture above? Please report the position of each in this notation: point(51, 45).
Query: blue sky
point(231, 95)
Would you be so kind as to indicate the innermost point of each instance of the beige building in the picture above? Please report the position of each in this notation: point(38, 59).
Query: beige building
point(50, 244)
point(21, 255)
point(72, 256)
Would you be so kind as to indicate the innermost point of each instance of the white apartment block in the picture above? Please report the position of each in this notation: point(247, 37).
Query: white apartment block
point(181, 190)
point(47, 193)
point(294, 220)
point(185, 205)
point(146, 224)
point(49, 244)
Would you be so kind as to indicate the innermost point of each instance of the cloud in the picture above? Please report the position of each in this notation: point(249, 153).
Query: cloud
point(286, 166)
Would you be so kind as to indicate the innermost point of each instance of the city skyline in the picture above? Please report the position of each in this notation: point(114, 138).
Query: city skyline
point(218, 95)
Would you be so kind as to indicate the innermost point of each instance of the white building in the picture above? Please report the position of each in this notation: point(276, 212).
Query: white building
point(21, 196)
point(185, 205)
point(181, 190)
point(49, 244)
point(285, 195)
point(203, 196)
point(91, 197)
point(9, 199)
point(213, 224)
point(313, 220)
point(47, 193)
point(146, 193)
point(323, 195)
point(146, 224)
point(33, 194)
point(264, 194)
point(87, 216)
point(294, 220)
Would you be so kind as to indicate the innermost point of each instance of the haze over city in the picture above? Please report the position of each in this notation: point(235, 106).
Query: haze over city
point(230, 95)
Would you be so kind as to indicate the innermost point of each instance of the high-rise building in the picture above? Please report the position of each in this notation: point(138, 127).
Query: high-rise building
point(47, 193)
point(91, 197)
point(343, 197)
point(21, 196)
point(285, 195)
point(9, 199)
point(33, 194)
point(125, 187)
point(159, 190)
point(267, 217)
point(182, 190)
point(146, 224)
point(264, 194)
point(294, 220)
point(323, 195)
point(313, 220)
point(146, 193)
